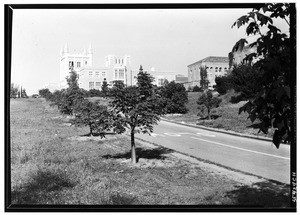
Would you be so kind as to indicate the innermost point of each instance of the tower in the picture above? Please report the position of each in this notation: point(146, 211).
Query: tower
point(75, 61)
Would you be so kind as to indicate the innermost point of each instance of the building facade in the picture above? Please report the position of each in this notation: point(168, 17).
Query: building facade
point(215, 66)
point(115, 68)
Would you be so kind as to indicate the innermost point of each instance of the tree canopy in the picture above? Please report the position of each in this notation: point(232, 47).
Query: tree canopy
point(272, 104)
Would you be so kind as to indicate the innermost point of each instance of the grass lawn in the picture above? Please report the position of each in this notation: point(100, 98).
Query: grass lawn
point(55, 163)
point(230, 118)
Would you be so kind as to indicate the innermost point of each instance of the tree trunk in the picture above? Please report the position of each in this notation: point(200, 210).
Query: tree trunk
point(133, 153)
point(208, 113)
point(91, 130)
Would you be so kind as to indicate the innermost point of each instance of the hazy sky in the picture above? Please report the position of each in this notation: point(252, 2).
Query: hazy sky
point(164, 39)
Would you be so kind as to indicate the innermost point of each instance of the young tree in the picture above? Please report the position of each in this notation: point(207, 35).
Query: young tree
point(175, 97)
point(92, 114)
point(208, 101)
point(71, 95)
point(137, 107)
point(203, 78)
point(272, 104)
point(104, 88)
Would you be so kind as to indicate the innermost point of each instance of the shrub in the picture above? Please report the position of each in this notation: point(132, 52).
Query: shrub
point(175, 97)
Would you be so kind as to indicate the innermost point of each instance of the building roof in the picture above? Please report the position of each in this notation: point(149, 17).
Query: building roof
point(213, 59)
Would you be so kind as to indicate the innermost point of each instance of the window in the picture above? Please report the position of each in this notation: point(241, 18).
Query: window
point(103, 74)
point(91, 85)
point(71, 64)
point(85, 62)
point(78, 64)
point(116, 61)
point(116, 74)
point(216, 69)
point(98, 85)
point(97, 74)
point(119, 61)
point(220, 69)
point(122, 61)
point(90, 73)
point(121, 74)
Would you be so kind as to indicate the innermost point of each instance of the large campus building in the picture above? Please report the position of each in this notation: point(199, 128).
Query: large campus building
point(115, 68)
point(215, 66)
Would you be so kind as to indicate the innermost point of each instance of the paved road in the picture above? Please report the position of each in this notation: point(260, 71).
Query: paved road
point(248, 155)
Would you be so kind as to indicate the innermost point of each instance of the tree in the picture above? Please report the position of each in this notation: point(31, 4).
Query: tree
point(104, 88)
point(94, 93)
point(222, 84)
point(175, 97)
point(196, 89)
point(272, 104)
point(45, 93)
point(13, 90)
point(203, 78)
point(92, 114)
point(137, 107)
point(23, 93)
point(70, 96)
point(246, 80)
point(208, 101)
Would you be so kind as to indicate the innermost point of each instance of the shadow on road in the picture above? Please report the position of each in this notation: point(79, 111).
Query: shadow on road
point(262, 194)
point(41, 189)
point(156, 153)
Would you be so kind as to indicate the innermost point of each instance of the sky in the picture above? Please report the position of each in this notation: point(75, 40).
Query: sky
point(166, 39)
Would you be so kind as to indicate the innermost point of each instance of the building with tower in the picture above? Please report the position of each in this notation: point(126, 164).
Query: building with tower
point(115, 68)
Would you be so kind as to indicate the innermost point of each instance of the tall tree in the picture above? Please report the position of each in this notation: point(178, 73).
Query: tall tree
point(208, 101)
point(104, 88)
point(138, 107)
point(71, 95)
point(272, 104)
point(203, 78)
point(13, 91)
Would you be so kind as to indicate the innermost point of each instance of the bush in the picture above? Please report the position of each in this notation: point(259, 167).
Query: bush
point(94, 93)
point(197, 89)
point(175, 97)
point(222, 84)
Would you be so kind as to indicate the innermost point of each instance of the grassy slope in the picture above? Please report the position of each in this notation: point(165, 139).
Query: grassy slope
point(54, 163)
point(230, 118)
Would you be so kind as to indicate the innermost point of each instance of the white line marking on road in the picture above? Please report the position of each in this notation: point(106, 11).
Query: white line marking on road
point(172, 134)
point(155, 135)
point(241, 148)
point(208, 135)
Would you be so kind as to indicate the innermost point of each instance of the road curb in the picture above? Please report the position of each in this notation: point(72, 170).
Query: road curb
point(220, 130)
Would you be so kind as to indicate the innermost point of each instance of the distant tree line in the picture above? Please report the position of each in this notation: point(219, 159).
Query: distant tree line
point(17, 92)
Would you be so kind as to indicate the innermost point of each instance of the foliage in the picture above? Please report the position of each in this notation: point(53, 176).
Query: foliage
point(138, 107)
point(203, 78)
point(272, 104)
point(222, 84)
point(94, 93)
point(94, 115)
point(196, 89)
point(246, 80)
point(45, 93)
point(70, 96)
point(13, 90)
point(175, 97)
point(104, 88)
point(208, 101)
